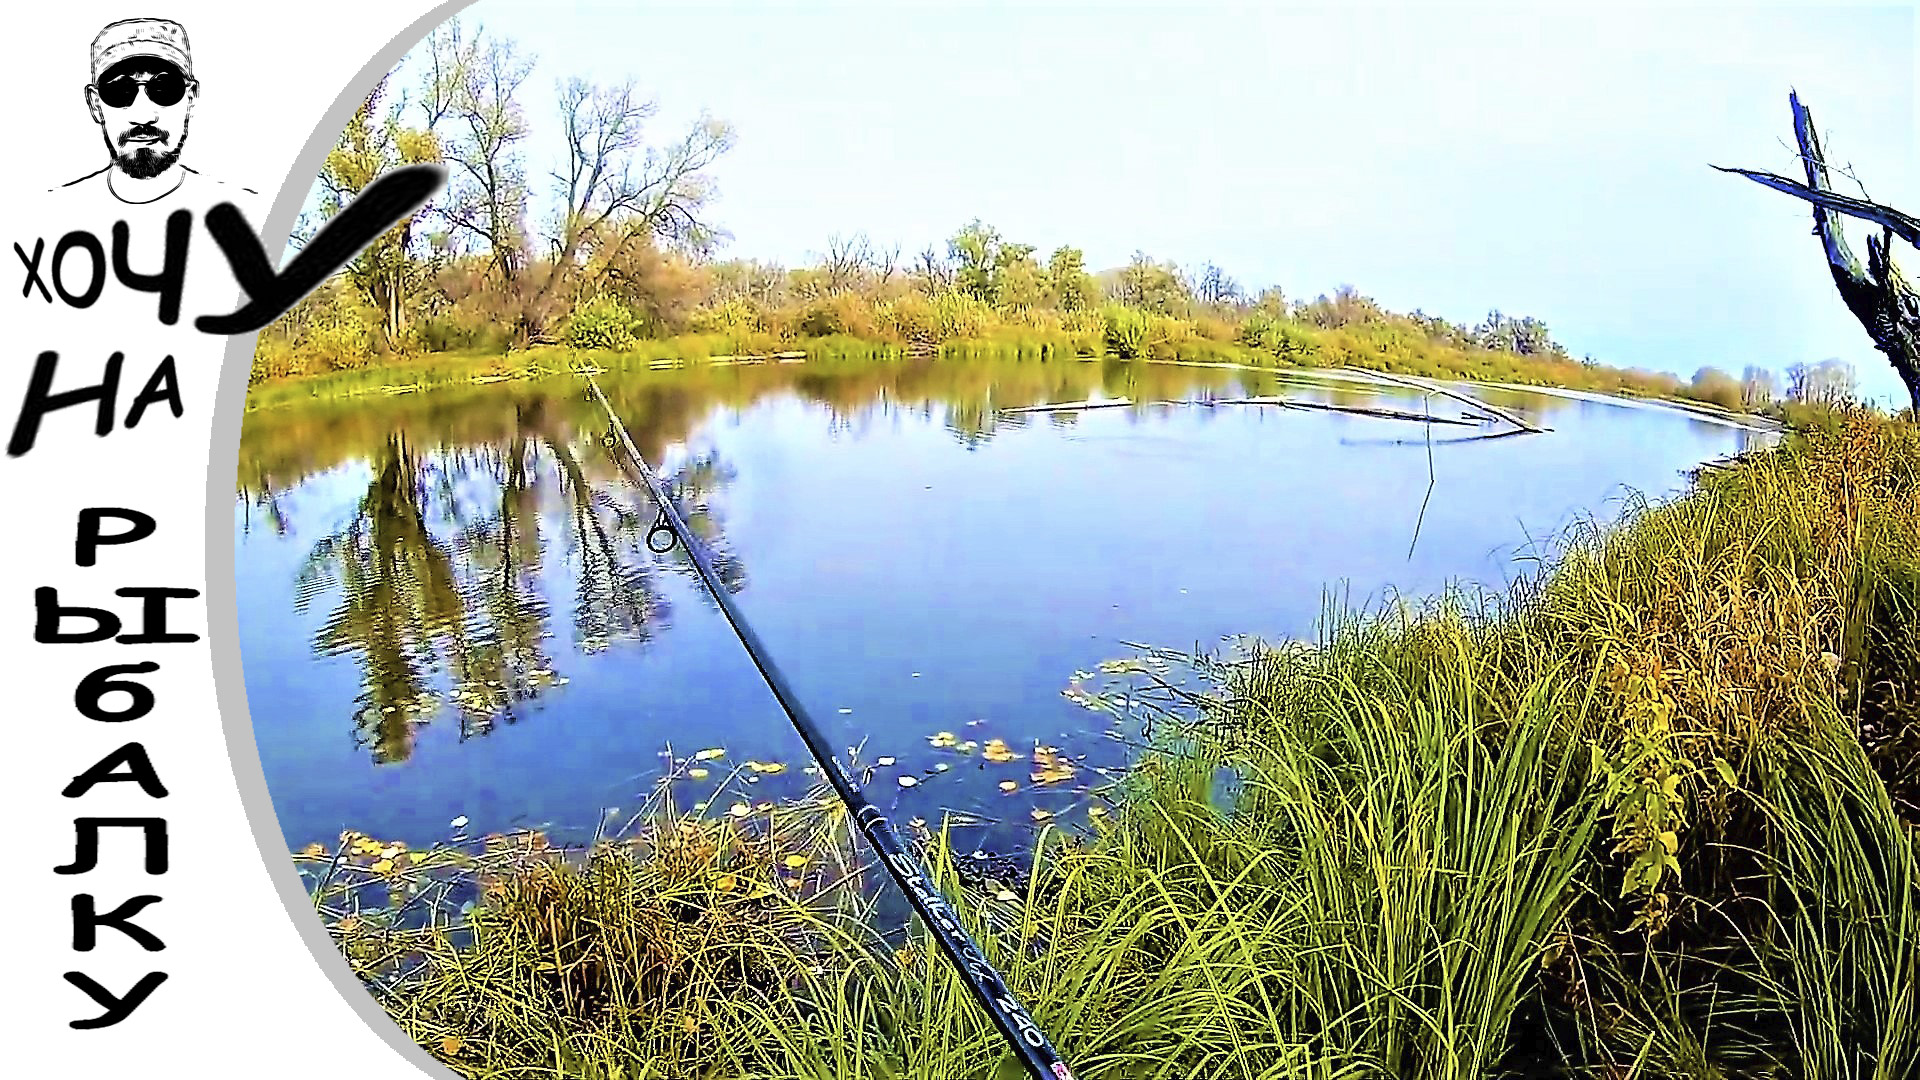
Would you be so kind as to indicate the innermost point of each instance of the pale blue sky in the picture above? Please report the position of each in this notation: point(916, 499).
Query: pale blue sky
point(1544, 161)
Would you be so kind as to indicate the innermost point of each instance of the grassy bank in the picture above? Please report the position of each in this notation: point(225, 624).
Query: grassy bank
point(1651, 815)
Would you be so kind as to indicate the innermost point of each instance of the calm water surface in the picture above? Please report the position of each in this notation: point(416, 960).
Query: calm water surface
point(448, 609)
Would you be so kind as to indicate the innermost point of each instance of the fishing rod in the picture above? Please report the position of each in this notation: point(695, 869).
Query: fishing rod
point(1029, 1044)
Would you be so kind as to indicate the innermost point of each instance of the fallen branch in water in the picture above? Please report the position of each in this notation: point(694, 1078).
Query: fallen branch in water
point(1358, 410)
point(1421, 384)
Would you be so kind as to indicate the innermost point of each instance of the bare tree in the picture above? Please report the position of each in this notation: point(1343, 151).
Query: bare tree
point(615, 191)
point(1830, 382)
point(884, 265)
point(1214, 288)
point(845, 263)
point(932, 272)
point(1877, 293)
point(470, 96)
point(1757, 387)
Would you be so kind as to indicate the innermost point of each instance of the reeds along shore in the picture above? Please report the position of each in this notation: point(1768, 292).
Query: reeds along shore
point(1652, 814)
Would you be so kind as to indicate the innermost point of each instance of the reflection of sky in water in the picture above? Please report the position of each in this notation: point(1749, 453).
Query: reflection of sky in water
point(921, 584)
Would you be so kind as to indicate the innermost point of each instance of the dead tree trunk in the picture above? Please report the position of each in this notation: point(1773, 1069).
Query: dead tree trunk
point(1877, 294)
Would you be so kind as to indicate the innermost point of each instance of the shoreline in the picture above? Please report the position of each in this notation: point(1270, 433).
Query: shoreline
point(530, 368)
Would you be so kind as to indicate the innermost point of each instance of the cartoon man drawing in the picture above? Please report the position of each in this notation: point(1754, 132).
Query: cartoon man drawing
point(142, 94)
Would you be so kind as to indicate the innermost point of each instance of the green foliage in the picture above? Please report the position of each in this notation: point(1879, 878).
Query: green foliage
point(604, 322)
point(1126, 331)
point(960, 315)
point(1073, 288)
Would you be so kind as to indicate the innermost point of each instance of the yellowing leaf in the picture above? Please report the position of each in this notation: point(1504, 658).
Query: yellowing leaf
point(382, 866)
point(796, 861)
point(451, 1044)
point(710, 754)
point(1009, 785)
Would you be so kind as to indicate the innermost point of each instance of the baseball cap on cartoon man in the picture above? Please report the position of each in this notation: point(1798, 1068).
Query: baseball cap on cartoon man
point(141, 93)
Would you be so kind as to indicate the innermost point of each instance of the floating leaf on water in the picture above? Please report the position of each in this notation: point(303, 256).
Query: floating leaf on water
point(697, 774)
point(314, 851)
point(844, 712)
point(739, 809)
point(909, 781)
point(941, 767)
point(710, 754)
point(943, 739)
point(1096, 811)
point(796, 861)
point(1009, 785)
point(459, 822)
point(382, 866)
point(1041, 815)
point(883, 762)
point(998, 752)
point(699, 807)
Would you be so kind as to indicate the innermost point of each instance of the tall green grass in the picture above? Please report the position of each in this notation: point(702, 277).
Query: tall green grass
point(1621, 821)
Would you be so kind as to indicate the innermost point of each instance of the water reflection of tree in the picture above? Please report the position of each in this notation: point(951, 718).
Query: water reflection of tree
point(398, 594)
point(470, 597)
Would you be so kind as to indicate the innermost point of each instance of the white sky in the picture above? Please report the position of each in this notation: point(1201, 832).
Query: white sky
point(1546, 161)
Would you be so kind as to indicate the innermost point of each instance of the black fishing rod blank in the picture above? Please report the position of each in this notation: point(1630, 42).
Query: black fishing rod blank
point(989, 989)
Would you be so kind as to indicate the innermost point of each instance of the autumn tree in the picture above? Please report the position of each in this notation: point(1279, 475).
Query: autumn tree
point(612, 189)
point(1073, 288)
point(469, 99)
point(374, 141)
point(1150, 286)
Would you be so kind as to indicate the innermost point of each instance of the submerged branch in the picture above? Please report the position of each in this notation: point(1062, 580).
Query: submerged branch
point(1421, 384)
point(1358, 410)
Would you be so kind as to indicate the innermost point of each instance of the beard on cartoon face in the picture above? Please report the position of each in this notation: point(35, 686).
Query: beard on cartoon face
point(145, 150)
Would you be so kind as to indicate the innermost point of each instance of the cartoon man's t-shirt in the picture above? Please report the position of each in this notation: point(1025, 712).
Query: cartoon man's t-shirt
point(193, 187)
point(91, 204)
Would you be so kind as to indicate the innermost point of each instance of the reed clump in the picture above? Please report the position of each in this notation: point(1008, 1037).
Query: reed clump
point(1648, 814)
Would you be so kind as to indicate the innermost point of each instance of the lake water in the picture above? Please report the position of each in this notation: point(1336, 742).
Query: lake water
point(448, 609)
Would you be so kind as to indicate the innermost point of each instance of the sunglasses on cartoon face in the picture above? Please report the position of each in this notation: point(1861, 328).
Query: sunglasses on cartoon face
point(164, 87)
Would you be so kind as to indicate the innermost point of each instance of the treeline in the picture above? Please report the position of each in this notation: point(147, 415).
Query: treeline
point(626, 255)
